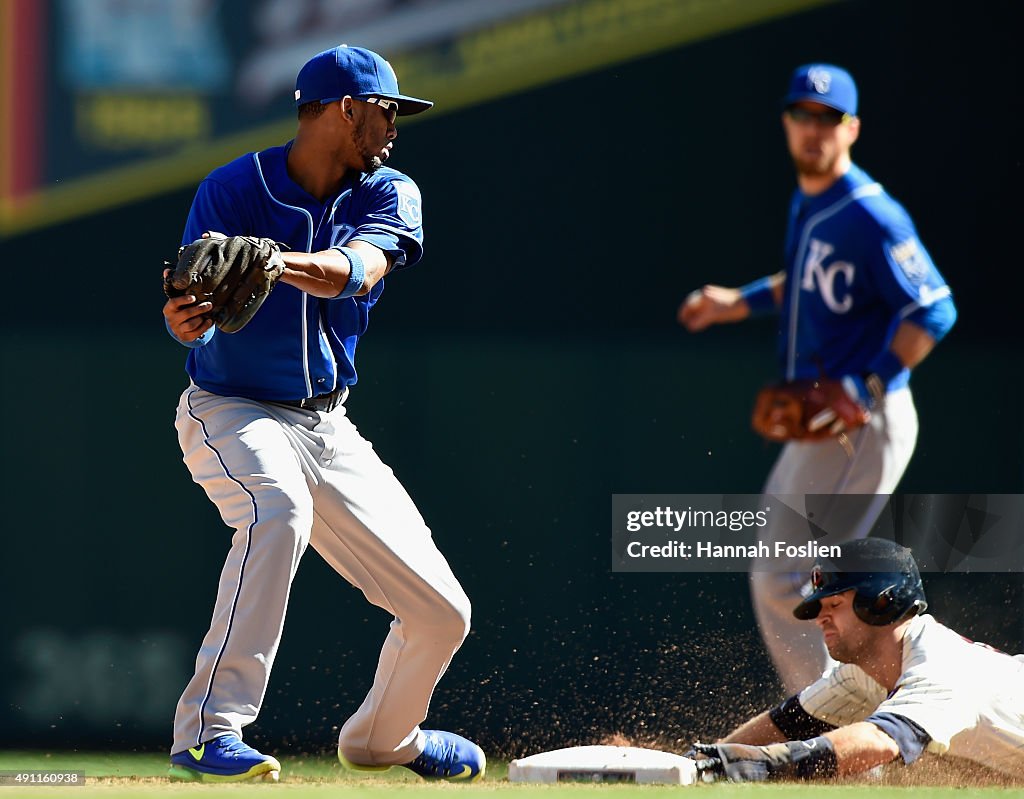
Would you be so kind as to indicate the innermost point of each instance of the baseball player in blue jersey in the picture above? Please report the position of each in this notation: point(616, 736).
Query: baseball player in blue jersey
point(860, 303)
point(264, 431)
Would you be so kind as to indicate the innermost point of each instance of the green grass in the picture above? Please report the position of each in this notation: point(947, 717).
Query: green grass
point(116, 775)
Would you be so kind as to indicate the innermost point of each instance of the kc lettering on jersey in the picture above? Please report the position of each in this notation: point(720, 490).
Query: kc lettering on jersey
point(818, 277)
point(854, 269)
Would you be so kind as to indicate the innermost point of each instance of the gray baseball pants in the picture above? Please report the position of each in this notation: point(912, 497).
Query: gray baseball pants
point(283, 478)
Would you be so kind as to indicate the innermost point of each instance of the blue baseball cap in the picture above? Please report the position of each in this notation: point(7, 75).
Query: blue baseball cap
point(823, 83)
point(354, 72)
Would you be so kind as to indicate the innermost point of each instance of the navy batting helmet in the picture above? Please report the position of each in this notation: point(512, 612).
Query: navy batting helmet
point(884, 575)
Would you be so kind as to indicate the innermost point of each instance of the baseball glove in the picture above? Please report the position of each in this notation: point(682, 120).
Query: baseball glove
point(806, 409)
point(234, 273)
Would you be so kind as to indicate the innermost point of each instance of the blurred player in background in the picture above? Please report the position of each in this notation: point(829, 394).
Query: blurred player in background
point(860, 303)
point(904, 684)
point(264, 431)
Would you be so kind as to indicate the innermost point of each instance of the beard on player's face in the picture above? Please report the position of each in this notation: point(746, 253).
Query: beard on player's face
point(373, 164)
point(813, 154)
point(815, 165)
point(844, 651)
point(846, 637)
point(368, 155)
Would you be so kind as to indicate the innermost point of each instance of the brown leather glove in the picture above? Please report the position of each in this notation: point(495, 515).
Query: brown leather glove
point(806, 409)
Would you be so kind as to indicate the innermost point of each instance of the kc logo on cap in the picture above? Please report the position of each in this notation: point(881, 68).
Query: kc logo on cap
point(819, 79)
point(823, 83)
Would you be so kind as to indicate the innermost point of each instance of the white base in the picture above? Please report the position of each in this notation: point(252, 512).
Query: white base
point(604, 764)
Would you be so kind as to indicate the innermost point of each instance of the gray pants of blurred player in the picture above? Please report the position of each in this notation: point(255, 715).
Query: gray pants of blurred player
point(881, 452)
point(284, 478)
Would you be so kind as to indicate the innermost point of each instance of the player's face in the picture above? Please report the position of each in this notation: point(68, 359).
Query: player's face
point(818, 137)
point(847, 638)
point(373, 133)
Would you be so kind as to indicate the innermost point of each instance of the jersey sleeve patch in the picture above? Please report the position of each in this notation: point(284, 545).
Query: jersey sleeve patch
point(409, 203)
point(911, 261)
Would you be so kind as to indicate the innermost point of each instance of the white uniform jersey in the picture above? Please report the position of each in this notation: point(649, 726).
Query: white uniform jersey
point(968, 697)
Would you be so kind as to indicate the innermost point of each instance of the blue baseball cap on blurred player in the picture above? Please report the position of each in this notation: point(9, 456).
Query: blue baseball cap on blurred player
point(354, 72)
point(823, 83)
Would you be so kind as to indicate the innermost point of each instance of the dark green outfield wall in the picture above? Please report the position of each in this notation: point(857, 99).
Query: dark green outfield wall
point(527, 370)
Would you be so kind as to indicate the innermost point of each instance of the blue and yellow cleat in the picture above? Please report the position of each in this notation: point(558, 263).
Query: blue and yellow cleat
point(224, 759)
point(448, 756)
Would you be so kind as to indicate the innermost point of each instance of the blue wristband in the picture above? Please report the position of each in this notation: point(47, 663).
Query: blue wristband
point(202, 341)
point(869, 389)
point(886, 365)
point(356, 275)
point(759, 296)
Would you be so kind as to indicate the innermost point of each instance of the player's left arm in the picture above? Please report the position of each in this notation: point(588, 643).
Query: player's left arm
point(389, 236)
point(329, 273)
point(911, 343)
point(860, 747)
point(921, 303)
point(851, 749)
point(791, 742)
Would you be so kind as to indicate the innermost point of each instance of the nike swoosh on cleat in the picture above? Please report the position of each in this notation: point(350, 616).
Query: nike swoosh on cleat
point(467, 771)
point(197, 751)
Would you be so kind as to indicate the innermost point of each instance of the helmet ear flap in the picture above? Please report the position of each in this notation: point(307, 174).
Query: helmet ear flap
point(877, 609)
point(886, 606)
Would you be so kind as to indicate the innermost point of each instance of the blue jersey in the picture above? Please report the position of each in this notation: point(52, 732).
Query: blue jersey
point(855, 269)
point(298, 345)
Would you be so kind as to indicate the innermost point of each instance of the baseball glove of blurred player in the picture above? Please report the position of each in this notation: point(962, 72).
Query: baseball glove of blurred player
point(806, 409)
point(234, 273)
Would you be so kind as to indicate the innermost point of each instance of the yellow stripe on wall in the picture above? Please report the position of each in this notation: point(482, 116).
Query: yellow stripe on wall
point(526, 52)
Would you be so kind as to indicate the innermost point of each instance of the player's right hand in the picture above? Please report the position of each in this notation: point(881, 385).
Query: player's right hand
point(187, 321)
point(712, 305)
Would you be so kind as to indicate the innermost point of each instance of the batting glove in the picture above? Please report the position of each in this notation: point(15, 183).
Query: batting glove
point(782, 761)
